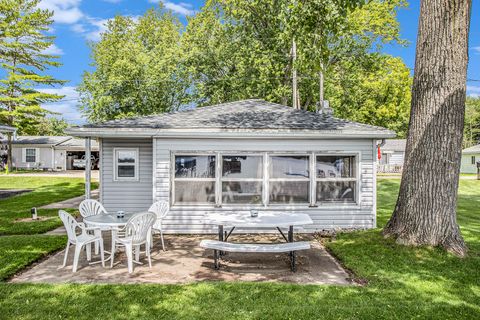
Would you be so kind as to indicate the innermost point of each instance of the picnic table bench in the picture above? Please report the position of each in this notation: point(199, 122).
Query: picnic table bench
point(265, 219)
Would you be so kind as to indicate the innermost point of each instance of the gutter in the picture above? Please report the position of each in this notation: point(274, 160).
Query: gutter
point(222, 134)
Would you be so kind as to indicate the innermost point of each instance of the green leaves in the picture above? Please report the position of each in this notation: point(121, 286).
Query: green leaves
point(136, 69)
point(22, 43)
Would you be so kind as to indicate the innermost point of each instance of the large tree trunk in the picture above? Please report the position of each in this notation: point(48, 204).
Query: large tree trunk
point(425, 213)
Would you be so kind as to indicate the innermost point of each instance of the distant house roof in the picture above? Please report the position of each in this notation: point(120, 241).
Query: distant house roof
point(5, 129)
point(74, 143)
point(60, 142)
point(397, 145)
point(472, 150)
point(250, 117)
point(44, 140)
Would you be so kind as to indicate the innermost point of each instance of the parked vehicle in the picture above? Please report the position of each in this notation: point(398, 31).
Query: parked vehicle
point(81, 163)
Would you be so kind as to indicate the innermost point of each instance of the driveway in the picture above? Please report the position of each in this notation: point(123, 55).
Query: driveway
point(63, 174)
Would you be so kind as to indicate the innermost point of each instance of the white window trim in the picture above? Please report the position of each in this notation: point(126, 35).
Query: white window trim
point(356, 178)
point(116, 164)
point(312, 203)
point(173, 178)
point(24, 154)
point(297, 179)
point(222, 179)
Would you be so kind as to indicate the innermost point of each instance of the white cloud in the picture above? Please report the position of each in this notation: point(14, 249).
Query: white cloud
point(182, 8)
point(67, 107)
point(54, 50)
point(64, 11)
point(96, 28)
point(473, 91)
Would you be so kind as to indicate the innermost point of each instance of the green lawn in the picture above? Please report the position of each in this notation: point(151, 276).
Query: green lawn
point(403, 283)
point(46, 190)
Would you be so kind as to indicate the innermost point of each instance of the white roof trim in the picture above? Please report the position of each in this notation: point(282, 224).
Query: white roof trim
point(225, 133)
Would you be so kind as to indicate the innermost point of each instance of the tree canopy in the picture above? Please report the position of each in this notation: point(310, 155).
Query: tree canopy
point(137, 68)
point(232, 50)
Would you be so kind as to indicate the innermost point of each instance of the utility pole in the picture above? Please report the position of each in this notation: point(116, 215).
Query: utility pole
point(294, 76)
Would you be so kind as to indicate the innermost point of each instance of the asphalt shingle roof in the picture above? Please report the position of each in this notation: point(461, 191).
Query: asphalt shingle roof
point(474, 149)
point(48, 140)
point(246, 114)
point(394, 145)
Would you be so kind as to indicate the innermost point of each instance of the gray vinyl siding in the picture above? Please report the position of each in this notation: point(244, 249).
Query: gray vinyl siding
point(126, 195)
point(43, 161)
point(191, 219)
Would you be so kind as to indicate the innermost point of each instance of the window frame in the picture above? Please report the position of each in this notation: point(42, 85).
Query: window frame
point(309, 179)
point(35, 150)
point(474, 162)
point(173, 178)
point(136, 166)
point(222, 179)
point(356, 178)
point(265, 203)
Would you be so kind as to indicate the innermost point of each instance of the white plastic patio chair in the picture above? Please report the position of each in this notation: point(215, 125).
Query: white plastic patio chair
point(137, 232)
point(91, 207)
point(79, 240)
point(160, 208)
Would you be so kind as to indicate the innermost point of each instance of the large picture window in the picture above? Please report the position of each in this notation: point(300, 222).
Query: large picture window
point(289, 179)
point(264, 179)
point(336, 178)
point(126, 164)
point(242, 179)
point(194, 179)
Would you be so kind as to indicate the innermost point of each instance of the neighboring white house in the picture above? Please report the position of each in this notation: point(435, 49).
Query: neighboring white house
point(470, 158)
point(392, 155)
point(47, 152)
point(238, 156)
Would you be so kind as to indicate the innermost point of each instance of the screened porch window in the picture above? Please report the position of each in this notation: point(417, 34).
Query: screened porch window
point(336, 178)
point(289, 179)
point(242, 179)
point(194, 180)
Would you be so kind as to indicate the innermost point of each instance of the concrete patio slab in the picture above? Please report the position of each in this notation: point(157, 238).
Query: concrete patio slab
point(186, 262)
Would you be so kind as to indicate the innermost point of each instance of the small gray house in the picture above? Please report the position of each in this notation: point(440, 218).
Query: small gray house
point(392, 155)
point(470, 158)
point(47, 152)
point(238, 156)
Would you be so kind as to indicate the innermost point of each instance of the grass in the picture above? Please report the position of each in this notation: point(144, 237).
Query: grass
point(19, 251)
point(46, 190)
point(403, 283)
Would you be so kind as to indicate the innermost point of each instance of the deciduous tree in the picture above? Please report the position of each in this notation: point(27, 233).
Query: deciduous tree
point(425, 213)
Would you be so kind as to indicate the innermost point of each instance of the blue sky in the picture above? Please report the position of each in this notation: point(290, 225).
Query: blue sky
point(80, 21)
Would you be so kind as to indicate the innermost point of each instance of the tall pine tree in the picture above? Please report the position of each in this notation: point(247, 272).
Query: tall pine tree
point(23, 42)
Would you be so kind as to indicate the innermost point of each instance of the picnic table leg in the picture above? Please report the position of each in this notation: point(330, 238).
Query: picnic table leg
point(291, 253)
point(220, 237)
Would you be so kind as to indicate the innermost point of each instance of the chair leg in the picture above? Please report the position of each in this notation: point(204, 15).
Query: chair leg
point(102, 256)
point(97, 233)
point(88, 249)
point(66, 254)
point(114, 233)
point(161, 237)
point(128, 251)
point(151, 239)
point(78, 250)
point(137, 253)
point(147, 252)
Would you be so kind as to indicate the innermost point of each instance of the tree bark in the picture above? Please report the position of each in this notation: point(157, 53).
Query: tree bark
point(425, 213)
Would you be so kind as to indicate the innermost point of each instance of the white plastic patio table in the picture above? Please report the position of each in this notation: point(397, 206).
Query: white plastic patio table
point(265, 219)
point(108, 221)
